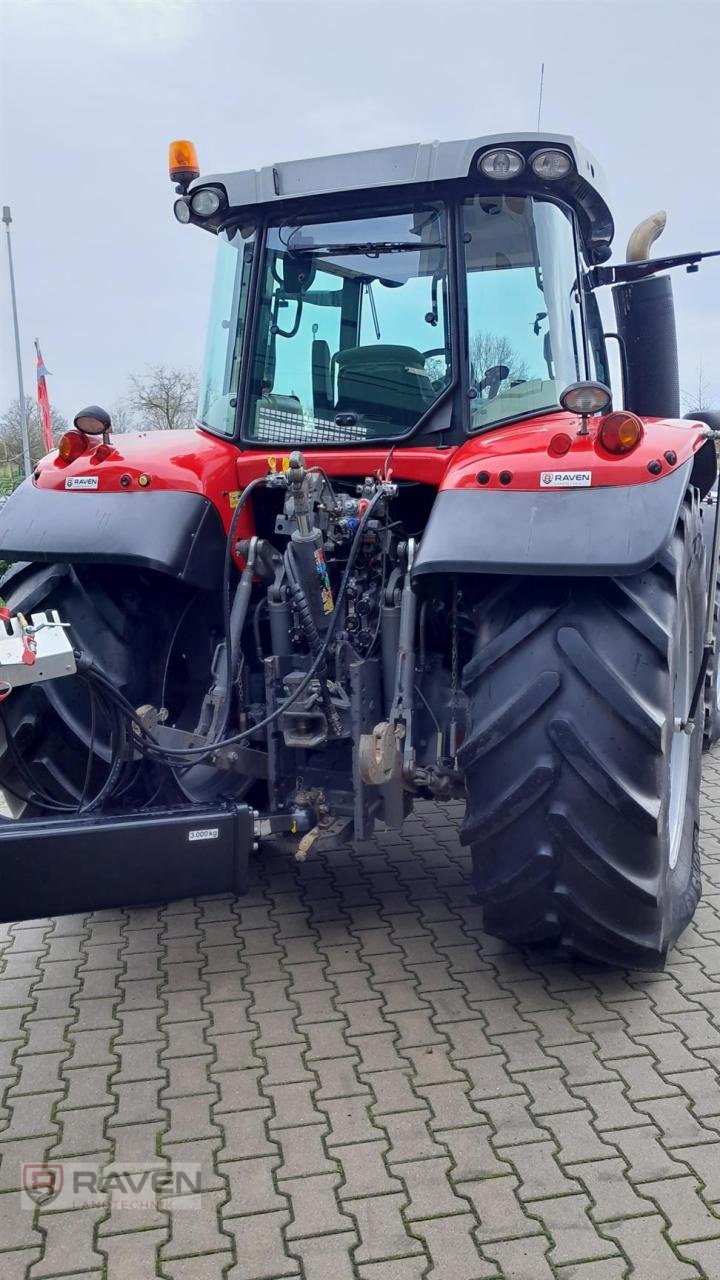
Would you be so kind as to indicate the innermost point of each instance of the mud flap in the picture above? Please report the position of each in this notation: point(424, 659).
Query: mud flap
point(53, 866)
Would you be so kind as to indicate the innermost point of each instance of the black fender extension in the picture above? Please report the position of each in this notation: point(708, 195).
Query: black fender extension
point(175, 532)
point(603, 532)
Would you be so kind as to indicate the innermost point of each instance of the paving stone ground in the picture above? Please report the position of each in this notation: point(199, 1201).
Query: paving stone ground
point(373, 1086)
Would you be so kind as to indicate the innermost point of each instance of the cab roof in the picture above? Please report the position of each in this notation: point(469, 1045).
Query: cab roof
point(427, 162)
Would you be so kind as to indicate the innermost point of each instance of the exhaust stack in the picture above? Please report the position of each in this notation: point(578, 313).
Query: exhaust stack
point(646, 327)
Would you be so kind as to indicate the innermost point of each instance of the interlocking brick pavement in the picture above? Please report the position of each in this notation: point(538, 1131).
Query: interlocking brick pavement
point(373, 1087)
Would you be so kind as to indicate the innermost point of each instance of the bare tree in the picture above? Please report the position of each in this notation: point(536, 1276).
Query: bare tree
point(490, 349)
point(123, 420)
point(701, 397)
point(11, 450)
point(159, 400)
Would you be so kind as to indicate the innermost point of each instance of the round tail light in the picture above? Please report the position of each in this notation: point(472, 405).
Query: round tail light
point(71, 445)
point(620, 432)
point(559, 445)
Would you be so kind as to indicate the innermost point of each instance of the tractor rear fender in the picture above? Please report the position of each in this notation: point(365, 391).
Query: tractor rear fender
point(175, 532)
point(610, 530)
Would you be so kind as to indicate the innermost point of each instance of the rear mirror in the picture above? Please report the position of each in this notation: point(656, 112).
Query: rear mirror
point(492, 378)
point(711, 417)
point(298, 273)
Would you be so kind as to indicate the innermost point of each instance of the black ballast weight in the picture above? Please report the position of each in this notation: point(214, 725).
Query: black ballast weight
point(51, 866)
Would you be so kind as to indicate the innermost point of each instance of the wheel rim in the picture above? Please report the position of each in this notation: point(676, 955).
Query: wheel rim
point(681, 742)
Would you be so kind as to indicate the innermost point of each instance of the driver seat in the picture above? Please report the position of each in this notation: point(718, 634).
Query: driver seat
point(383, 380)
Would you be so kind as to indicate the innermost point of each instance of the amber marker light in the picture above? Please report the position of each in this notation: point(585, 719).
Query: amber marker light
point(71, 445)
point(620, 432)
point(183, 162)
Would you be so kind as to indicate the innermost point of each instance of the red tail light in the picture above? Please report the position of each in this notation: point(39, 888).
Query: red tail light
point(559, 444)
point(71, 445)
point(620, 432)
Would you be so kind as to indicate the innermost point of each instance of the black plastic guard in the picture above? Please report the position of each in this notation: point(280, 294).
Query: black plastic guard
point(50, 867)
point(598, 532)
point(176, 532)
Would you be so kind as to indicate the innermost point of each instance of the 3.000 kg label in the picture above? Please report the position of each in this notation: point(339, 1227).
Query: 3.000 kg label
point(204, 833)
point(565, 479)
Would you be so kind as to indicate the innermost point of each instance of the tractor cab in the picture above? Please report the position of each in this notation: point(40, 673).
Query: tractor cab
point(439, 293)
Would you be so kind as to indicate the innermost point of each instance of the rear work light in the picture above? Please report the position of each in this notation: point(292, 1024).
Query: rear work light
point(620, 432)
point(551, 165)
point(205, 202)
point(501, 163)
point(585, 398)
point(71, 445)
point(93, 421)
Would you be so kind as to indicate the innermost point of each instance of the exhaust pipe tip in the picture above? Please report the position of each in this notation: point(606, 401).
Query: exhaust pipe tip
point(644, 236)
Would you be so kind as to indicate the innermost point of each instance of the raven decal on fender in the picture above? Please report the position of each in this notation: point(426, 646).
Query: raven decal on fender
point(565, 479)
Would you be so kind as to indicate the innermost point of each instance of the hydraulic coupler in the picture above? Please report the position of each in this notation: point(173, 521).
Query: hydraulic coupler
point(33, 650)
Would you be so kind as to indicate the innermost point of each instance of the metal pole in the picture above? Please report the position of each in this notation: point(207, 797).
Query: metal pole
point(7, 219)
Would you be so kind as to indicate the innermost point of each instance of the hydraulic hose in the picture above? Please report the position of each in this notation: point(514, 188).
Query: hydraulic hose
point(227, 567)
point(152, 749)
point(36, 792)
point(300, 600)
point(312, 635)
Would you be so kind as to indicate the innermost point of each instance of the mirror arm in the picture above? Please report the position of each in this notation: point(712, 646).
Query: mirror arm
point(622, 350)
point(627, 272)
point(289, 333)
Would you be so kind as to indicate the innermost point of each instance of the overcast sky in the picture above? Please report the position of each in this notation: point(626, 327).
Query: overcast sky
point(93, 90)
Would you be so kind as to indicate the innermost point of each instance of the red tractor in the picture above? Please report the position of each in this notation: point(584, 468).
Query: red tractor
point(411, 550)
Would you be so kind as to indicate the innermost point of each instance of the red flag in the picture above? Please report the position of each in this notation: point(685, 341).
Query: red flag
point(44, 400)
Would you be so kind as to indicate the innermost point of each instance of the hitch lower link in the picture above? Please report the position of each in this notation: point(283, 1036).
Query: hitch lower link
point(387, 753)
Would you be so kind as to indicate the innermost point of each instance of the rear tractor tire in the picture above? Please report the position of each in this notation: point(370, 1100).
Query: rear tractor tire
point(582, 793)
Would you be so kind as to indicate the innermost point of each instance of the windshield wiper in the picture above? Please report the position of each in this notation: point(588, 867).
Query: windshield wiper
point(370, 250)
